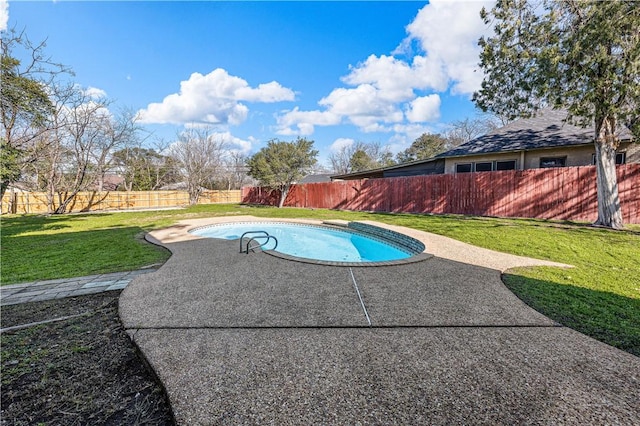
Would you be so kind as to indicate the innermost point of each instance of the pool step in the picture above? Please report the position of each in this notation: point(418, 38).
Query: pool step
point(337, 222)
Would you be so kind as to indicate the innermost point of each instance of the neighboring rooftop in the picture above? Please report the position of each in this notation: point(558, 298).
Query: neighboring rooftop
point(547, 129)
point(323, 177)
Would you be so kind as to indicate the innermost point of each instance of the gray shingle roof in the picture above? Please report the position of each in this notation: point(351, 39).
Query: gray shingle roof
point(323, 177)
point(546, 130)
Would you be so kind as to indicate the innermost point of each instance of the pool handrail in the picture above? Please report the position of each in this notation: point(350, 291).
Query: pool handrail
point(266, 235)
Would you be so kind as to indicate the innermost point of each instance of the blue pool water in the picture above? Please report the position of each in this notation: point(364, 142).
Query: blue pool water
point(312, 242)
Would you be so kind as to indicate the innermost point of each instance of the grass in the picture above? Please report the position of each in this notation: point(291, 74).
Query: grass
point(599, 297)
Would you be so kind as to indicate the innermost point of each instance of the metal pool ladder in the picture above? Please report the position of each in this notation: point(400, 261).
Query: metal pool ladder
point(266, 237)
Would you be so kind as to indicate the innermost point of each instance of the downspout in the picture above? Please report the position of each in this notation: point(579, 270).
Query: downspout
point(521, 160)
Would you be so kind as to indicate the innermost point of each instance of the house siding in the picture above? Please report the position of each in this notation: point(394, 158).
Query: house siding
point(576, 156)
point(450, 163)
point(431, 168)
point(633, 152)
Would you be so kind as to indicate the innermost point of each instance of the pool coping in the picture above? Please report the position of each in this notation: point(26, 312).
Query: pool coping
point(413, 259)
point(435, 245)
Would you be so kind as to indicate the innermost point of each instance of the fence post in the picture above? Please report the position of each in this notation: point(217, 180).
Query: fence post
point(14, 202)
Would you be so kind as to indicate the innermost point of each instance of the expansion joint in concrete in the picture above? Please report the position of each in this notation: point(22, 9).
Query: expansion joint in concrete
point(364, 307)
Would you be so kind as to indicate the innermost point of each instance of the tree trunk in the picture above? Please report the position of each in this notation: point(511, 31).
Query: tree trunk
point(50, 196)
point(65, 201)
point(4, 184)
point(284, 191)
point(609, 209)
point(194, 195)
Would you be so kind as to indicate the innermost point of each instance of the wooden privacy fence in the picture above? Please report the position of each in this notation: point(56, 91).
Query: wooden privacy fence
point(567, 193)
point(36, 202)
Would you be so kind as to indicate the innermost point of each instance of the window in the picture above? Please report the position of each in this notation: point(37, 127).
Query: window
point(506, 165)
point(484, 167)
point(621, 158)
point(463, 168)
point(553, 162)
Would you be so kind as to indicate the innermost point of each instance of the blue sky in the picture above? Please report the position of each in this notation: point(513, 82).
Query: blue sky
point(334, 72)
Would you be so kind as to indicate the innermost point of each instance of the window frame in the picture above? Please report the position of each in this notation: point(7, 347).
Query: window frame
point(622, 155)
point(490, 163)
point(562, 160)
point(497, 162)
point(464, 164)
point(473, 166)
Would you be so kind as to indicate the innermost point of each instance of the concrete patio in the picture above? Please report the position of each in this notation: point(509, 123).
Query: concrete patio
point(255, 339)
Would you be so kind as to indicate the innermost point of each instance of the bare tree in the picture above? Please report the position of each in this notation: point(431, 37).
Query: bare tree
point(199, 156)
point(25, 105)
point(236, 170)
point(55, 136)
point(360, 156)
point(49, 156)
point(77, 151)
point(117, 131)
point(462, 131)
point(340, 160)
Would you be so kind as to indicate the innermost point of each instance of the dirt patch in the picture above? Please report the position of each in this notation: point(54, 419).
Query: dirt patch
point(82, 370)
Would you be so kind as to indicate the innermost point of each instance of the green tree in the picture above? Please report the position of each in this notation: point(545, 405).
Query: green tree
point(9, 165)
point(361, 161)
point(425, 146)
point(280, 164)
point(386, 159)
point(581, 55)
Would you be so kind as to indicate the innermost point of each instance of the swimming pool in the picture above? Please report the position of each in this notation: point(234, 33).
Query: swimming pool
point(318, 243)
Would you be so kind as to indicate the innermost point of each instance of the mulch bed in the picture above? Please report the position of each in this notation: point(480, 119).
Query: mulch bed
point(78, 371)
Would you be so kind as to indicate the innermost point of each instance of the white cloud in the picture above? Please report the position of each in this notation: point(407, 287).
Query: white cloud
point(424, 109)
point(448, 33)
point(267, 93)
point(214, 98)
point(365, 106)
point(412, 131)
point(234, 144)
point(301, 123)
point(95, 93)
point(403, 135)
point(395, 78)
point(392, 78)
point(363, 101)
point(4, 14)
point(341, 143)
point(388, 94)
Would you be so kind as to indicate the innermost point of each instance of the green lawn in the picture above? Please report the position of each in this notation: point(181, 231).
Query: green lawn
point(599, 297)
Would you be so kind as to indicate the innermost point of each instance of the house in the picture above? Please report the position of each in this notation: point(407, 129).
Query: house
point(110, 182)
point(538, 142)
